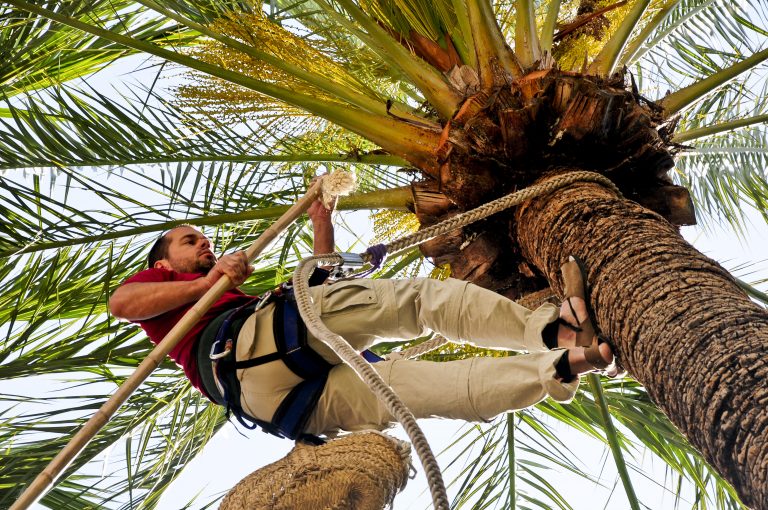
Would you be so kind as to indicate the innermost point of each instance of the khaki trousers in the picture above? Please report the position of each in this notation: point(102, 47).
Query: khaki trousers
point(368, 311)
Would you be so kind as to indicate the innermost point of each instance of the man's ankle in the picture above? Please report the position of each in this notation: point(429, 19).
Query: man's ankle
point(549, 335)
point(563, 368)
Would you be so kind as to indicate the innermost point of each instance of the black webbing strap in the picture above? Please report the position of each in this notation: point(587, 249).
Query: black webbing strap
point(254, 362)
point(291, 416)
point(293, 413)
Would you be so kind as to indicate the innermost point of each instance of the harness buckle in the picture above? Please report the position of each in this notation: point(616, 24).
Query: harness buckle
point(351, 259)
point(263, 300)
point(227, 349)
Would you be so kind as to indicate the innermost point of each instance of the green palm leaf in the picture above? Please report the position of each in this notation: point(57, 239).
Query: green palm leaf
point(88, 176)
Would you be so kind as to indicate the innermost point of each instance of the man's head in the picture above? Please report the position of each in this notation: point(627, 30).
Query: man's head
point(183, 249)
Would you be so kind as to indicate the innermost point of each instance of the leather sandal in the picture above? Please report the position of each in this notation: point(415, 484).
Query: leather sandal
point(575, 278)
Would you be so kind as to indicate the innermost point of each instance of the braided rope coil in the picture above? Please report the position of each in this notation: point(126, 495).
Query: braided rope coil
point(498, 205)
point(360, 471)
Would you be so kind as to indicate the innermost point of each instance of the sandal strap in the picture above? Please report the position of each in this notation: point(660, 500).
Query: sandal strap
point(568, 325)
point(573, 312)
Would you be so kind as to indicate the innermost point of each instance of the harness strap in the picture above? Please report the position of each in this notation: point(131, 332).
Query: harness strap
point(290, 334)
point(254, 362)
point(292, 415)
point(291, 339)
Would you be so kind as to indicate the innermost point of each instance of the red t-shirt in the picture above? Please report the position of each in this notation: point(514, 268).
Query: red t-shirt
point(157, 327)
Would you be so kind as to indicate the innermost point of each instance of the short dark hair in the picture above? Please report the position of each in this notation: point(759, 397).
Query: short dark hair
point(159, 250)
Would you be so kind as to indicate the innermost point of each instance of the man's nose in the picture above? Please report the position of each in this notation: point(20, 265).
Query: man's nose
point(204, 242)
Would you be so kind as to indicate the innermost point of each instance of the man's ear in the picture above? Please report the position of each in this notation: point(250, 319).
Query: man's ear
point(163, 264)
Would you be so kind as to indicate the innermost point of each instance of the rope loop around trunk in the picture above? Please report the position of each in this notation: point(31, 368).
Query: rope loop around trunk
point(516, 198)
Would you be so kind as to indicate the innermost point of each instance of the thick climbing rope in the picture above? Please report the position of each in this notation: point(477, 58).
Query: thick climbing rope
point(359, 364)
point(460, 220)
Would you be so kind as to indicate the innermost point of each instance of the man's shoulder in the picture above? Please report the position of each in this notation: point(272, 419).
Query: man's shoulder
point(159, 274)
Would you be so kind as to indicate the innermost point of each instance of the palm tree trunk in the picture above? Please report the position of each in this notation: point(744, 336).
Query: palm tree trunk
point(681, 325)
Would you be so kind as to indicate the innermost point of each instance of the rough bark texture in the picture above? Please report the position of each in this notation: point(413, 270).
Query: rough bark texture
point(502, 140)
point(681, 325)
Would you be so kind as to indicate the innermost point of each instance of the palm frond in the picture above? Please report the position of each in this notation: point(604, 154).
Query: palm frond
point(37, 53)
point(541, 455)
point(726, 172)
point(160, 409)
point(709, 37)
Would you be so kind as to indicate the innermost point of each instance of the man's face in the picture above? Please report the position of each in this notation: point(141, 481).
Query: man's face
point(189, 251)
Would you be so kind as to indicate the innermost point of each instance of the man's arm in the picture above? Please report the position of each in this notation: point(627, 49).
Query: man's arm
point(144, 300)
point(322, 226)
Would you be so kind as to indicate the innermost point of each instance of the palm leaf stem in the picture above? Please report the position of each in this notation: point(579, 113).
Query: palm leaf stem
point(548, 29)
point(635, 47)
point(613, 440)
point(460, 8)
point(367, 159)
point(752, 291)
point(511, 460)
point(396, 136)
point(698, 151)
point(435, 88)
point(722, 127)
point(490, 46)
point(605, 62)
point(680, 99)
point(396, 198)
point(392, 66)
point(368, 101)
point(483, 45)
point(633, 54)
point(527, 46)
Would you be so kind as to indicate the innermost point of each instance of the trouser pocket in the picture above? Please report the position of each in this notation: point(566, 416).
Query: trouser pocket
point(348, 296)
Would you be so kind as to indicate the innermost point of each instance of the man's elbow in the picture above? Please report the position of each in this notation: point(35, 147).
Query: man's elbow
point(117, 305)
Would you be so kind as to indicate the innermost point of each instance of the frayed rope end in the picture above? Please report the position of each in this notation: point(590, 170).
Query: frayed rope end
point(336, 184)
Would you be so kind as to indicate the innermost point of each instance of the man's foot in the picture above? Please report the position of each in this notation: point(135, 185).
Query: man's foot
point(566, 337)
point(579, 363)
point(577, 331)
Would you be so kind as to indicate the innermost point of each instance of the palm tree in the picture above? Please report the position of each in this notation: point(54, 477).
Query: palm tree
point(474, 100)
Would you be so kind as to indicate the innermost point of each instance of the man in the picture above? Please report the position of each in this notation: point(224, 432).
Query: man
point(260, 381)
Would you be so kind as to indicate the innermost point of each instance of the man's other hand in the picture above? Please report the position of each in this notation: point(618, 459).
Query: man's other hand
point(234, 265)
point(318, 213)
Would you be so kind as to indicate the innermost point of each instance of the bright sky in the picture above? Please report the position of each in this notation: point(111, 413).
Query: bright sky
point(231, 455)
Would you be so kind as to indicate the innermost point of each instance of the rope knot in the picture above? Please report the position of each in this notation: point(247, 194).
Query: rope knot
point(376, 255)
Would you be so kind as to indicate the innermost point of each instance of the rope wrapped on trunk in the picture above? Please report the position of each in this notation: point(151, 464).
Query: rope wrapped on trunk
point(516, 198)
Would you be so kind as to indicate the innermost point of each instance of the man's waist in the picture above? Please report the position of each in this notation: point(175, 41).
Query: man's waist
point(218, 339)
